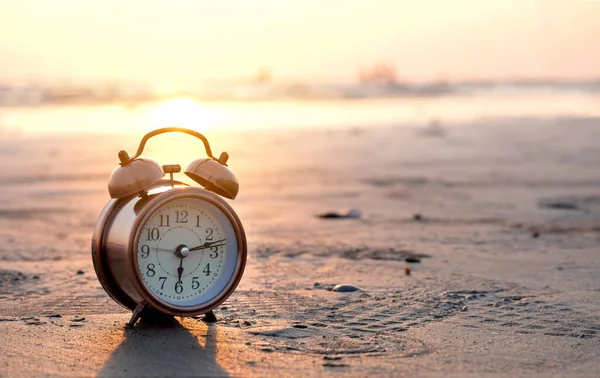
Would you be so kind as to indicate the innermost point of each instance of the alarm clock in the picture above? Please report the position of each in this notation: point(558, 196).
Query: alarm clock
point(164, 248)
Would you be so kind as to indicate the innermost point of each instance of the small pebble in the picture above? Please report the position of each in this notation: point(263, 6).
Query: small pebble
point(418, 217)
point(36, 277)
point(332, 358)
point(299, 326)
point(350, 214)
point(317, 284)
point(464, 308)
point(535, 234)
point(412, 260)
point(80, 272)
point(54, 316)
point(345, 288)
point(78, 319)
point(407, 270)
point(247, 323)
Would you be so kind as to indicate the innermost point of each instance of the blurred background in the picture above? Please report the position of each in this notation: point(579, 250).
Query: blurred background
point(109, 66)
point(405, 100)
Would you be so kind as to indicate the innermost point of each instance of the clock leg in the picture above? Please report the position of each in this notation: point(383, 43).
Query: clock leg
point(136, 314)
point(209, 317)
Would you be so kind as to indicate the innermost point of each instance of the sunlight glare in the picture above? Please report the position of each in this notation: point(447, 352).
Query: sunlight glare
point(182, 112)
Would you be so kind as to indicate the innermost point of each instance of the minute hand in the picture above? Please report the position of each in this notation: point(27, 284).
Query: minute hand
point(206, 245)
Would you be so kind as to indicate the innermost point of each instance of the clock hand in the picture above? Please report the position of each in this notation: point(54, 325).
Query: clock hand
point(206, 245)
point(202, 246)
point(180, 269)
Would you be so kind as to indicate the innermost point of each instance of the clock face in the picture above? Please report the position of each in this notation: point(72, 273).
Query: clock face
point(187, 252)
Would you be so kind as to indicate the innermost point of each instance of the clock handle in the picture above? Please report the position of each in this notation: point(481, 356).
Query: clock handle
point(125, 159)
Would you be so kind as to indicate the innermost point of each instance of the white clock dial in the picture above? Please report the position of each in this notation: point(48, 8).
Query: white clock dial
point(186, 252)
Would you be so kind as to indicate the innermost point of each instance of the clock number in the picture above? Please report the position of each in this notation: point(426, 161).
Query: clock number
point(163, 279)
point(150, 272)
point(195, 283)
point(178, 287)
point(181, 216)
point(153, 234)
point(206, 270)
point(145, 251)
point(197, 220)
point(209, 231)
point(214, 251)
point(164, 221)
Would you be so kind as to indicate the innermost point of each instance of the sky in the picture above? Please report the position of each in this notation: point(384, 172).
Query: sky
point(320, 40)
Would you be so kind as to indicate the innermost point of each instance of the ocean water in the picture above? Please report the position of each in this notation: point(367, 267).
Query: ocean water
point(234, 116)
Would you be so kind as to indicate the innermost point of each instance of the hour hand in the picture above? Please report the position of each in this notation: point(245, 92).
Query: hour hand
point(180, 269)
point(206, 245)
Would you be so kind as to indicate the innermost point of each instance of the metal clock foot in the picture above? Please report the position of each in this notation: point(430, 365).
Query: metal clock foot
point(209, 317)
point(136, 314)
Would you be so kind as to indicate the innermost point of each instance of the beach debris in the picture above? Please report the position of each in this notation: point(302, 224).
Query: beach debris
point(417, 217)
point(464, 308)
point(80, 272)
point(565, 203)
point(346, 214)
point(302, 326)
point(407, 270)
point(412, 259)
point(345, 288)
point(78, 319)
point(433, 129)
point(359, 253)
point(35, 322)
point(32, 320)
point(535, 234)
point(331, 364)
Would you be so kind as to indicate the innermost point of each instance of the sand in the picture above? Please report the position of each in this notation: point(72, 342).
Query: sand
point(500, 220)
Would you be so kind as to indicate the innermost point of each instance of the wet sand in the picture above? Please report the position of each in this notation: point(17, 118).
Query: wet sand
point(500, 221)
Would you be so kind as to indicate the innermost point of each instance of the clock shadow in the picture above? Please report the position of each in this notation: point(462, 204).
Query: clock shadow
point(164, 348)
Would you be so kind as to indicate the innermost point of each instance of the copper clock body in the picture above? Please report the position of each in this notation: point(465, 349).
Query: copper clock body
point(115, 248)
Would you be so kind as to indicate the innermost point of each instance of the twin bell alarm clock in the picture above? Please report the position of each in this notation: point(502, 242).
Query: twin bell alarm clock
point(162, 247)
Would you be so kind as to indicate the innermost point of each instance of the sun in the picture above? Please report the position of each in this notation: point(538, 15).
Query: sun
point(182, 112)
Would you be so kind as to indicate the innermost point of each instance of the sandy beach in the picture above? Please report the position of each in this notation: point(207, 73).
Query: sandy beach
point(476, 254)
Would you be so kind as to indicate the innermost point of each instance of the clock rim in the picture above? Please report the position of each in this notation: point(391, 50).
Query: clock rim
point(151, 207)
